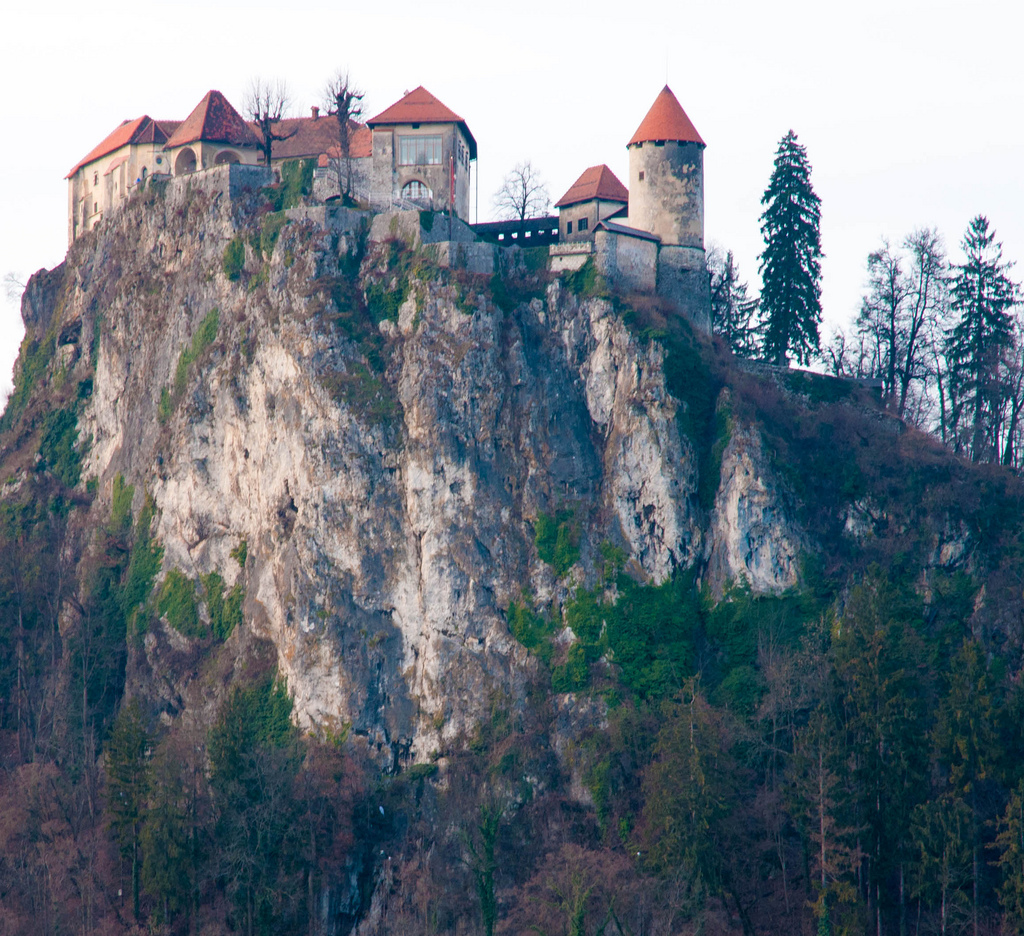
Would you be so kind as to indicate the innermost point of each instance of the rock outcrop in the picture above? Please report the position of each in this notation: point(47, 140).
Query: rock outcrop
point(383, 468)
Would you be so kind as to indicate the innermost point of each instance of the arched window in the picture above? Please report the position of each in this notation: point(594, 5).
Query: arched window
point(185, 162)
point(416, 191)
point(226, 157)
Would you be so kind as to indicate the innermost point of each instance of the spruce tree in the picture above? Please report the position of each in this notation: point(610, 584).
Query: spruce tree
point(791, 262)
point(982, 296)
point(733, 312)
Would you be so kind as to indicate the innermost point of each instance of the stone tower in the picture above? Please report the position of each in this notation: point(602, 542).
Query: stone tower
point(666, 198)
point(666, 176)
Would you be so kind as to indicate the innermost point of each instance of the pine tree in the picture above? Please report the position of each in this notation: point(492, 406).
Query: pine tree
point(128, 785)
point(976, 347)
point(1010, 844)
point(791, 263)
point(733, 312)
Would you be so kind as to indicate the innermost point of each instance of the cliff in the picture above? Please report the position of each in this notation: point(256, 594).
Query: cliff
point(411, 491)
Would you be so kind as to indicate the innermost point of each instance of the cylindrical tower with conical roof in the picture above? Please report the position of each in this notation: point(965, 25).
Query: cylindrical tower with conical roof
point(666, 175)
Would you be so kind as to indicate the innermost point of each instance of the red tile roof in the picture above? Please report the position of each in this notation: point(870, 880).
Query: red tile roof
point(214, 120)
point(311, 137)
point(140, 130)
point(596, 182)
point(666, 120)
point(419, 107)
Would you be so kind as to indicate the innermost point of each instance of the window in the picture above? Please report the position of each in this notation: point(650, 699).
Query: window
point(415, 189)
point(568, 228)
point(419, 151)
point(95, 178)
point(159, 160)
point(641, 175)
point(582, 226)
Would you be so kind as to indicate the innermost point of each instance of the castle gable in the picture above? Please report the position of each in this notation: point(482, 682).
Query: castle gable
point(140, 130)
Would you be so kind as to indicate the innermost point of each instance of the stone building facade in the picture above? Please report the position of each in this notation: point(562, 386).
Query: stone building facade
point(421, 156)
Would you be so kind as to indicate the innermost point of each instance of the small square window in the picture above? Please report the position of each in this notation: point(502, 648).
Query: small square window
point(641, 175)
point(568, 228)
point(582, 226)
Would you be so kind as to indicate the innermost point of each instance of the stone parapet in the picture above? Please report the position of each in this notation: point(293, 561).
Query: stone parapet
point(231, 180)
point(420, 227)
point(473, 258)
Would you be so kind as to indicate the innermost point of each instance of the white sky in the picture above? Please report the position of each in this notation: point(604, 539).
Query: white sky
point(912, 111)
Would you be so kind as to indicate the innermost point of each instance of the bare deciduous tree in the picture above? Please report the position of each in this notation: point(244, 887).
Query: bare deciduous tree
point(523, 194)
point(265, 103)
point(904, 304)
point(343, 100)
point(13, 287)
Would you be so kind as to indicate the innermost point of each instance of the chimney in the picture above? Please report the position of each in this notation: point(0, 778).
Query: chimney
point(315, 111)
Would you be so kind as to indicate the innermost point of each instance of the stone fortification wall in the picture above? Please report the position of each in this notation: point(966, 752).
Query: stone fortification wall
point(410, 227)
point(326, 179)
point(684, 281)
point(629, 264)
point(473, 258)
point(569, 257)
point(231, 180)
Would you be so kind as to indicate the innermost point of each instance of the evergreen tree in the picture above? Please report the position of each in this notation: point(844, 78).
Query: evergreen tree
point(1010, 844)
point(881, 678)
point(127, 786)
point(791, 262)
point(968, 743)
point(976, 347)
point(733, 312)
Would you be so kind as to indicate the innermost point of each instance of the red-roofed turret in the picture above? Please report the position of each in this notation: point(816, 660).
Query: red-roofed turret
point(666, 177)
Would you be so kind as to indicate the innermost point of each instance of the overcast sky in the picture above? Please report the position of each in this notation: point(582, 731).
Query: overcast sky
point(912, 111)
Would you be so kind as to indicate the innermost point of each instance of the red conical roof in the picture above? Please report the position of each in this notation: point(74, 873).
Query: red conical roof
point(666, 120)
point(214, 120)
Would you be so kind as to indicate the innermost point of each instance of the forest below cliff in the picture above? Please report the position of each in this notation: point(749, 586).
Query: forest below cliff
point(806, 722)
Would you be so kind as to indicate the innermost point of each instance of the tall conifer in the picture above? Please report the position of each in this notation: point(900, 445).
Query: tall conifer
point(976, 347)
point(791, 262)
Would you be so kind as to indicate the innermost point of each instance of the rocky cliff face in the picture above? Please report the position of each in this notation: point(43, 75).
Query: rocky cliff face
point(384, 464)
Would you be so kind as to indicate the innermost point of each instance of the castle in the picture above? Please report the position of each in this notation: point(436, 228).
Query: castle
point(418, 154)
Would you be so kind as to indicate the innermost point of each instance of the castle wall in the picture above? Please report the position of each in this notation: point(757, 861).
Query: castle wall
point(229, 181)
point(326, 179)
point(683, 280)
point(630, 264)
point(669, 200)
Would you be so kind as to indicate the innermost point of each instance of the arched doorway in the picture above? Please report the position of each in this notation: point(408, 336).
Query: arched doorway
point(227, 158)
point(185, 162)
